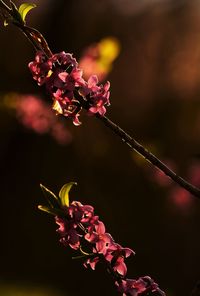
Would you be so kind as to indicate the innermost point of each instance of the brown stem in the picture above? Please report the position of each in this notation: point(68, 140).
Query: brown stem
point(131, 142)
point(34, 36)
point(38, 39)
point(29, 36)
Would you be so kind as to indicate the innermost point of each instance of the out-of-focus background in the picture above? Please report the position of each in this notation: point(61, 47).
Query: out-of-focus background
point(155, 96)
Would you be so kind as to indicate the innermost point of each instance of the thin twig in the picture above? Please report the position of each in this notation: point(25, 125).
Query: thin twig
point(5, 6)
point(34, 36)
point(133, 144)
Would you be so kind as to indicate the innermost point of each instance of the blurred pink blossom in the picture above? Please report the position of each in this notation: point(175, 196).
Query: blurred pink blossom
point(178, 196)
point(36, 115)
point(181, 198)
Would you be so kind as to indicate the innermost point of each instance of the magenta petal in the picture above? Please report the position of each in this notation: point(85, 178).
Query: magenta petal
point(93, 110)
point(108, 239)
point(92, 81)
point(120, 266)
point(92, 238)
point(100, 245)
point(75, 246)
point(107, 86)
point(63, 76)
point(128, 252)
point(100, 228)
point(103, 243)
point(61, 224)
point(102, 111)
point(76, 121)
point(77, 74)
point(92, 262)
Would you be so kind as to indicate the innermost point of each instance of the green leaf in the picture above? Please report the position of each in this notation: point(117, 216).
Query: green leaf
point(25, 8)
point(50, 196)
point(54, 212)
point(64, 193)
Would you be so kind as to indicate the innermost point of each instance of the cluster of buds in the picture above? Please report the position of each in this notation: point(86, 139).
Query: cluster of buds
point(64, 83)
point(80, 228)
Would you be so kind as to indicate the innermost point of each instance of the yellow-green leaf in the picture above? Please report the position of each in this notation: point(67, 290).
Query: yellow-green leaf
point(50, 196)
point(25, 8)
point(48, 210)
point(64, 193)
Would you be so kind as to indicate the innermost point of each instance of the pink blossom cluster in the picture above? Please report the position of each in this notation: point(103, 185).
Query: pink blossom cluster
point(81, 227)
point(64, 83)
point(142, 286)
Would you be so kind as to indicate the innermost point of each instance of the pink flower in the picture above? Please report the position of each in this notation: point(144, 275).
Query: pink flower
point(98, 95)
point(115, 255)
point(90, 87)
point(143, 286)
point(92, 262)
point(40, 68)
point(81, 226)
point(100, 99)
point(100, 238)
point(68, 232)
point(80, 213)
point(68, 228)
point(63, 59)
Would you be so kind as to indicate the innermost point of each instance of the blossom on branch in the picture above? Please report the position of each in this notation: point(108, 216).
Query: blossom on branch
point(64, 83)
point(142, 286)
point(80, 228)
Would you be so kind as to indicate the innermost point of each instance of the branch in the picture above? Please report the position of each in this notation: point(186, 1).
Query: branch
point(133, 144)
point(34, 36)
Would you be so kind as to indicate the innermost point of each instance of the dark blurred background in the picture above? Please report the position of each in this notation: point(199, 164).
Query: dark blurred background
point(155, 96)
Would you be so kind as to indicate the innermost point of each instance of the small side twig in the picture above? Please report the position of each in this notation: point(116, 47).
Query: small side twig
point(34, 36)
